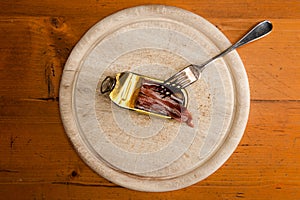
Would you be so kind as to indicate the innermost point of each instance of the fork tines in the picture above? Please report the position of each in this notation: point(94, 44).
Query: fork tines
point(180, 80)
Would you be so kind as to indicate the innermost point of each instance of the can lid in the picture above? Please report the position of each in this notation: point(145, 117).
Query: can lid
point(108, 84)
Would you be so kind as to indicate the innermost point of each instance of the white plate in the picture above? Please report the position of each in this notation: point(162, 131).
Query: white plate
point(143, 152)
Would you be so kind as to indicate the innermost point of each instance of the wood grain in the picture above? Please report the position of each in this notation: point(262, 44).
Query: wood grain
point(37, 159)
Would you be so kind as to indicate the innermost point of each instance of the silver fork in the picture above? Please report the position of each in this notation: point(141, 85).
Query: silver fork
point(191, 73)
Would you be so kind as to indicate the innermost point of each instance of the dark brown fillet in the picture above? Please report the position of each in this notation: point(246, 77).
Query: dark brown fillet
point(149, 99)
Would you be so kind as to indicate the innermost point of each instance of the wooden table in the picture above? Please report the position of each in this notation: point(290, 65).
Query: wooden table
point(37, 161)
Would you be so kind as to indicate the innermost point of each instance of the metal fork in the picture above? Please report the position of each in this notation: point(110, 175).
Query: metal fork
point(191, 73)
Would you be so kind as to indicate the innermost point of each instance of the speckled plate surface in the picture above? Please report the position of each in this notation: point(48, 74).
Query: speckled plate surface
point(143, 152)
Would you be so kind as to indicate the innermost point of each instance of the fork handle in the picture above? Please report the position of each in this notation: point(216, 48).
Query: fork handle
point(259, 31)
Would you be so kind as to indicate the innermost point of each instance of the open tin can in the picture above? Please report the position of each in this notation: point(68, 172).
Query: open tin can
point(125, 90)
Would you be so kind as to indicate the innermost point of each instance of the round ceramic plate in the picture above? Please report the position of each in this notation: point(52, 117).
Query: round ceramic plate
point(143, 152)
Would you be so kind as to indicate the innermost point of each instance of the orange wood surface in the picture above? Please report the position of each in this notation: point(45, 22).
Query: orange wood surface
point(37, 161)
